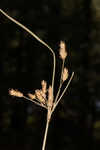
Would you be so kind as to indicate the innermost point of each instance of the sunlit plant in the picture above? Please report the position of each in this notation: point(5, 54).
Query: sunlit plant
point(44, 97)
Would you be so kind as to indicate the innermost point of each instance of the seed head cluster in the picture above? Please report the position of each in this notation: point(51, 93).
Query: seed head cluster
point(44, 96)
point(39, 95)
point(15, 93)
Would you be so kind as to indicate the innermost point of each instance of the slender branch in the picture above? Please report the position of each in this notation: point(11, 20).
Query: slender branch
point(59, 89)
point(55, 105)
point(38, 39)
point(39, 104)
point(46, 132)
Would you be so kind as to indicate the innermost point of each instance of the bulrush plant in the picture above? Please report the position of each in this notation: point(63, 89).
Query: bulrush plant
point(44, 97)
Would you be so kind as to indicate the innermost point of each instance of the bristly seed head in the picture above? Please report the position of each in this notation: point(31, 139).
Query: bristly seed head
point(62, 50)
point(15, 93)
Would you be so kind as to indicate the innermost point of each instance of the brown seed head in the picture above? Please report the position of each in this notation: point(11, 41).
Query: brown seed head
point(15, 93)
point(62, 50)
point(50, 96)
point(65, 74)
point(31, 96)
point(39, 96)
point(44, 86)
point(43, 94)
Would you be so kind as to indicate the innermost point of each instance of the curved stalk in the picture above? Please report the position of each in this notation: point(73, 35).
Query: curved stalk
point(37, 38)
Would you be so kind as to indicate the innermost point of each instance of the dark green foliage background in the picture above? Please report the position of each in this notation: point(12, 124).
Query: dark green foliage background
point(24, 62)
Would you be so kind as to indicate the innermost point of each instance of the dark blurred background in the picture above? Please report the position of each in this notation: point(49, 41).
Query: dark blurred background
point(24, 62)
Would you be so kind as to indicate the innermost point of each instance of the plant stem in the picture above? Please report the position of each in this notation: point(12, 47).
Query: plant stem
point(37, 103)
point(38, 39)
point(65, 88)
point(59, 89)
point(46, 131)
point(55, 104)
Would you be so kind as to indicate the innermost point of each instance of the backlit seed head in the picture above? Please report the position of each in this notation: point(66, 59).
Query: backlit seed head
point(44, 86)
point(31, 96)
point(65, 74)
point(15, 93)
point(62, 50)
point(39, 96)
point(50, 96)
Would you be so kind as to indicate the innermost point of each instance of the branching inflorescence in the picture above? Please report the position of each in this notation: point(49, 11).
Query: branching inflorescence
point(44, 97)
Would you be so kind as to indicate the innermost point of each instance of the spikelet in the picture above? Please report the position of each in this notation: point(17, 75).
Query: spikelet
point(50, 97)
point(43, 94)
point(31, 96)
point(44, 88)
point(64, 74)
point(15, 93)
point(62, 50)
point(39, 96)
